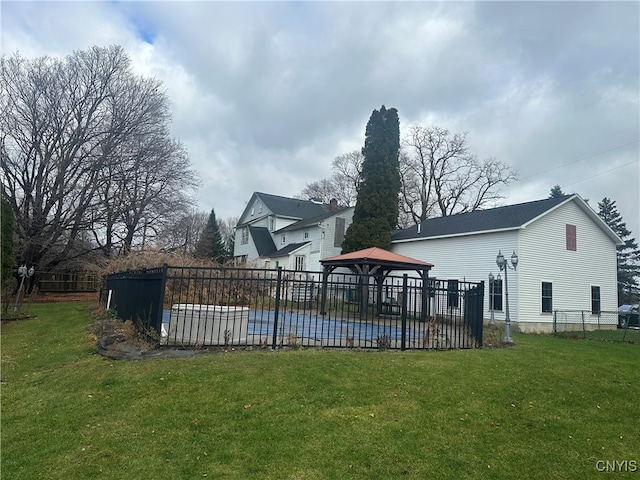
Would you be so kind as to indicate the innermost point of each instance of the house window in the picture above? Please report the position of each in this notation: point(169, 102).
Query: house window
point(547, 297)
point(241, 260)
point(595, 299)
point(495, 293)
point(299, 262)
point(452, 293)
point(338, 237)
point(306, 235)
point(260, 207)
point(284, 239)
point(245, 236)
point(272, 224)
point(432, 286)
point(571, 237)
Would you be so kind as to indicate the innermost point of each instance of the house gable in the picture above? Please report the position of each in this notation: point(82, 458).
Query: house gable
point(563, 246)
point(567, 249)
point(262, 205)
point(270, 223)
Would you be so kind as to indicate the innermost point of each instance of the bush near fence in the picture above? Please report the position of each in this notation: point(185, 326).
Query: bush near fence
point(286, 308)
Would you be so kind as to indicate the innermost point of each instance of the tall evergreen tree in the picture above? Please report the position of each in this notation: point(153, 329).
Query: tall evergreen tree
point(628, 254)
point(376, 211)
point(210, 244)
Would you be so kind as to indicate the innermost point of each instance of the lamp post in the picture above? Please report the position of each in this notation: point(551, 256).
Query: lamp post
point(23, 272)
point(492, 320)
point(503, 264)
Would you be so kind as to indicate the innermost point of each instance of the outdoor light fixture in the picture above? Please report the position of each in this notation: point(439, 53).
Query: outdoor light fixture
point(22, 272)
point(492, 320)
point(503, 265)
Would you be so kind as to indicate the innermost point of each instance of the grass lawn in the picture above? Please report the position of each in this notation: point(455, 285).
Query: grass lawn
point(545, 408)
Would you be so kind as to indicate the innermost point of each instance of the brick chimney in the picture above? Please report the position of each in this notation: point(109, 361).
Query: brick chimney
point(333, 205)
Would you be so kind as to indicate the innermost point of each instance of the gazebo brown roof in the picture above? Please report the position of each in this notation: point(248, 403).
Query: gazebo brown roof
point(373, 257)
point(375, 262)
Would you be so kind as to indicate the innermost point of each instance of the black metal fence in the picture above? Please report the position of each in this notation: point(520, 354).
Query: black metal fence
point(232, 307)
point(137, 295)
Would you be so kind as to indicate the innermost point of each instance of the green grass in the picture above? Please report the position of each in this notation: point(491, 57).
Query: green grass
point(630, 335)
point(545, 408)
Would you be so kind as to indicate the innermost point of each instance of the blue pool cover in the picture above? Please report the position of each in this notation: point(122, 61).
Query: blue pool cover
point(305, 325)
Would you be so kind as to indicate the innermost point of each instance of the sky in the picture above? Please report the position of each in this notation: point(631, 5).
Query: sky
point(264, 95)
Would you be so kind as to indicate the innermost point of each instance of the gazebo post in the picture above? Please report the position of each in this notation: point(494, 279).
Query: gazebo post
point(378, 262)
point(425, 295)
point(364, 291)
point(378, 279)
point(325, 281)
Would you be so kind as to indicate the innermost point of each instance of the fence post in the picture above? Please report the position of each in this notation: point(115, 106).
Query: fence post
point(584, 331)
point(555, 320)
point(403, 335)
point(479, 328)
point(160, 304)
point(277, 309)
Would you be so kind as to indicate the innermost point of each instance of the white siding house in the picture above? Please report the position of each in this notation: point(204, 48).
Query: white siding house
point(294, 234)
point(567, 257)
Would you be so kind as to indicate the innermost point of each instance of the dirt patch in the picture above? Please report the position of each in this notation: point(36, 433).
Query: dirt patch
point(120, 340)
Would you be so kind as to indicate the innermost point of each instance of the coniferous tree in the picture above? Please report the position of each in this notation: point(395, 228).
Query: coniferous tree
point(376, 210)
point(628, 254)
point(210, 244)
point(556, 192)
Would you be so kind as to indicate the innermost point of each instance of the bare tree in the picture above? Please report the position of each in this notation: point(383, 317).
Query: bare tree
point(343, 183)
point(155, 190)
point(182, 235)
point(66, 137)
point(440, 177)
point(227, 228)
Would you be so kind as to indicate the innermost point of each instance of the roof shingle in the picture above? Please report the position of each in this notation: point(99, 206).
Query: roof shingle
point(500, 218)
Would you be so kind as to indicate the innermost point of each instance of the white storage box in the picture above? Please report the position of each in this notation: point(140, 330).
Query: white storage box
point(194, 324)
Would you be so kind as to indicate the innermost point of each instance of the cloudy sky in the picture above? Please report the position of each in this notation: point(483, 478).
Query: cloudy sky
point(264, 95)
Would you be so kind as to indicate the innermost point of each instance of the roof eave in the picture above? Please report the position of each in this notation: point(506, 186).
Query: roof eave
point(462, 234)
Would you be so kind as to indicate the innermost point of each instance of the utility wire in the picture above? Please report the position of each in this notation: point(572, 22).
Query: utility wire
point(589, 178)
point(602, 173)
point(583, 159)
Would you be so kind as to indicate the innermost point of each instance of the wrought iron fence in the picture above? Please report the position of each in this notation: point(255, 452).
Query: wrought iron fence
point(604, 326)
point(242, 307)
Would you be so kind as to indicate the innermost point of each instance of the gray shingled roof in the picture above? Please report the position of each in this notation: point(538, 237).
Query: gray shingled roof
point(292, 207)
point(312, 220)
point(262, 240)
point(288, 249)
point(501, 218)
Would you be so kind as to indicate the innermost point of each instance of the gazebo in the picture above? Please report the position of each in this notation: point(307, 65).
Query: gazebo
point(378, 263)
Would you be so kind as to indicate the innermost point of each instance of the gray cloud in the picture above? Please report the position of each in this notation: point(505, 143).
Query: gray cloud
point(265, 95)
